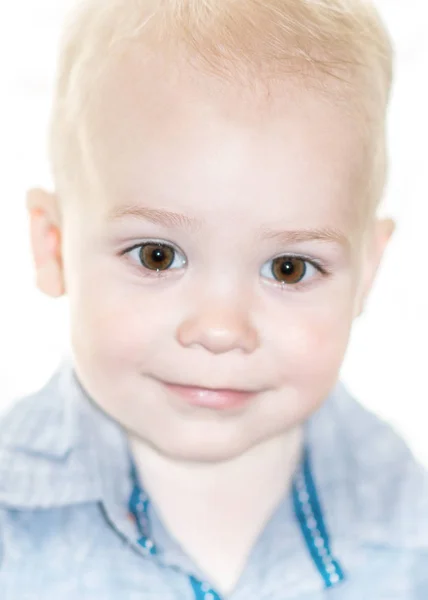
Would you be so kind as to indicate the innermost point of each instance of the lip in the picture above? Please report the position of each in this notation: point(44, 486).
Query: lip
point(215, 399)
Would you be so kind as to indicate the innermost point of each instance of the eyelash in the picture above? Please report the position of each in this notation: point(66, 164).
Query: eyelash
point(316, 263)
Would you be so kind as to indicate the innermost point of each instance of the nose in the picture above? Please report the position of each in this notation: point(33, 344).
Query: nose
point(219, 329)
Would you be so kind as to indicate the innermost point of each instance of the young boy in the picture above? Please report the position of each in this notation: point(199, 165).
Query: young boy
point(218, 168)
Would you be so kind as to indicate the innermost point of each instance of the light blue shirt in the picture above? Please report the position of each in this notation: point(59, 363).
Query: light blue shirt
point(65, 531)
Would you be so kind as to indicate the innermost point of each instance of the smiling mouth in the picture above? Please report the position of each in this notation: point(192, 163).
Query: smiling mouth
point(215, 399)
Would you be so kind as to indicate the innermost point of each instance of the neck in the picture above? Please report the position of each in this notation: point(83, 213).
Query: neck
point(217, 511)
point(262, 464)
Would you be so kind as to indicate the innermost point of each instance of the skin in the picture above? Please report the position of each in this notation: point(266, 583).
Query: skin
point(241, 172)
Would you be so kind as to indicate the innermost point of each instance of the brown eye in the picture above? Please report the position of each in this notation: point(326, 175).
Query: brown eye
point(289, 270)
point(157, 257)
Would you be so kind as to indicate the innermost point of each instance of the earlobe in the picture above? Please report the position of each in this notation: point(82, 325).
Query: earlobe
point(387, 228)
point(45, 231)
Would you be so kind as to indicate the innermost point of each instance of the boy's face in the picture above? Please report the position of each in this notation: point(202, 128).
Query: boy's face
point(249, 212)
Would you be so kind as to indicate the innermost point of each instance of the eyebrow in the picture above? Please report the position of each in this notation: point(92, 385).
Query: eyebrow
point(326, 234)
point(176, 220)
point(156, 216)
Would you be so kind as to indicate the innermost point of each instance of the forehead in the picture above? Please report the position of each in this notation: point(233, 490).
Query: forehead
point(200, 144)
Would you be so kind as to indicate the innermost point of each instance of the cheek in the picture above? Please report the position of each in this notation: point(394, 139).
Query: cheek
point(326, 342)
point(314, 340)
point(116, 324)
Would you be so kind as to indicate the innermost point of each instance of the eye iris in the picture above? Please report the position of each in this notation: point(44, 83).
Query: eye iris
point(289, 270)
point(157, 257)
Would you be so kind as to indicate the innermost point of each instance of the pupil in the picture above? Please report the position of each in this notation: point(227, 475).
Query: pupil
point(158, 255)
point(287, 268)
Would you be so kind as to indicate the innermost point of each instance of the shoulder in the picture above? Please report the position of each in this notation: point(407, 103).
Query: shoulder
point(385, 487)
point(24, 433)
point(45, 459)
point(31, 437)
point(29, 422)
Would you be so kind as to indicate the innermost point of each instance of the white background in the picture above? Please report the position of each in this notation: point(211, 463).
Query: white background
point(387, 362)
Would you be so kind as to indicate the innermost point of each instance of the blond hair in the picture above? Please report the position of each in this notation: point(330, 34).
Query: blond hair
point(341, 43)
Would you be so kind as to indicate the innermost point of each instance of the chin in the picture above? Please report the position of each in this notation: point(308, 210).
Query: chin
point(211, 456)
point(210, 451)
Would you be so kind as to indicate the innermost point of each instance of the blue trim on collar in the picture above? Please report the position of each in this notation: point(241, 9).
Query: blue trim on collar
point(203, 591)
point(310, 516)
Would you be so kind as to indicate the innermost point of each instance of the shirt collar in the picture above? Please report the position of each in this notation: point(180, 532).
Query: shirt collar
point(373, 491)
point(57, 447)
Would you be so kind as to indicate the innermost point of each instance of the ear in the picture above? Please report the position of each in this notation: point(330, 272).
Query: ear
point(377, 241)
point(45, 230)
